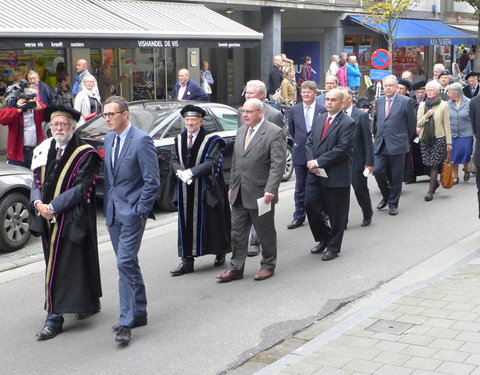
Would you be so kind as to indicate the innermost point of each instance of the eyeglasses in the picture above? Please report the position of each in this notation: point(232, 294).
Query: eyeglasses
point(60, 125)
point(251, 110)
point(110, 114)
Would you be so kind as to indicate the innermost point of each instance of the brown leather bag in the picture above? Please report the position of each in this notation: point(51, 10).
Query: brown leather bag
point(446, 178)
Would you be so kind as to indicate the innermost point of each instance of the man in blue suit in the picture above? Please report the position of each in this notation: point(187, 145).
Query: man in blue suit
point(132, 179)
point(186, 89)
point(300, 122)
point(395, 123)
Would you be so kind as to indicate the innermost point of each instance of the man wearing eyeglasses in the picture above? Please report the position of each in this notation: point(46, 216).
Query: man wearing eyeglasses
point(258, 164)
point(132, 179)
point(65, 169)
point(329, 162)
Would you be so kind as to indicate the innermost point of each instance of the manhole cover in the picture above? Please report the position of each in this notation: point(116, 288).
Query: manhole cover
point(389, 326)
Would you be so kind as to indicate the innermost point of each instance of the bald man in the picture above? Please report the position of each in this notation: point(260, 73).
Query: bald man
point(81, 66)
point(186, 89)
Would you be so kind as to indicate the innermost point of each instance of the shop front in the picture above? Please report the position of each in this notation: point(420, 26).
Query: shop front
point(143, 43)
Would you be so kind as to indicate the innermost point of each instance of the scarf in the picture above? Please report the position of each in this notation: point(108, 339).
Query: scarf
point(428, 134)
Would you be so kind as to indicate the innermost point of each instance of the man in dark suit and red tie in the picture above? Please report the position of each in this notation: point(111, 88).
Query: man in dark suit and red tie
point(395, 123)
point(329, 159)
point(300, 121)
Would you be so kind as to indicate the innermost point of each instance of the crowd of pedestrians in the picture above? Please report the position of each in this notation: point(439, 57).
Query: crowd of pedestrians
point(336, 146)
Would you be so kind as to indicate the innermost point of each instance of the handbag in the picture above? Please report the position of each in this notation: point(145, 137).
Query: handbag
point(277, 97)
point(446, 178)
point(206, 87)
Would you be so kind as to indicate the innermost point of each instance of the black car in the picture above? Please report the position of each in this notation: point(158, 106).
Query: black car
point(162, 121)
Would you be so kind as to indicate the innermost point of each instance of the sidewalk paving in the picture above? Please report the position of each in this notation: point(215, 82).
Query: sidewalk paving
point(431, 327)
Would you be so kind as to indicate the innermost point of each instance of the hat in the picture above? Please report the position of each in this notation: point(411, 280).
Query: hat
point(56, 109)
point(420, 85)
point(405, 83)
point(471, 74)
point(444, 73)
point(191, 110)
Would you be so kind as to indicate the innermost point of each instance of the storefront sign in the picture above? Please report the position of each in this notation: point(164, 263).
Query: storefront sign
point(377, 75)
point(17, 43)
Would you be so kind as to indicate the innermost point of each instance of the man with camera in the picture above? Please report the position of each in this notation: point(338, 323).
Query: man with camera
point(24, 123)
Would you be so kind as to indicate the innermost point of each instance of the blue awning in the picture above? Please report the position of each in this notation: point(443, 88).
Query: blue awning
point(413, 32)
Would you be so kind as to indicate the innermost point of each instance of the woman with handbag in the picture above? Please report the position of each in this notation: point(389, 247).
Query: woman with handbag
point(461, 129)
point(433, 118)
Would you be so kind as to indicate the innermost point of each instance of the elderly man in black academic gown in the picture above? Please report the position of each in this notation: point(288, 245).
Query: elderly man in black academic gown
point(63, 194)
point(203, 208)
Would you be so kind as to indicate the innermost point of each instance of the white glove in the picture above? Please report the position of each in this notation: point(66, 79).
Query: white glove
point(185, 176)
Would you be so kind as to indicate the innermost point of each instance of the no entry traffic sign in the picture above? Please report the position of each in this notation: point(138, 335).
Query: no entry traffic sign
point(380, 59)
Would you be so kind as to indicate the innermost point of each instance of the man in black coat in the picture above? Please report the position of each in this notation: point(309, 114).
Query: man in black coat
point(362, 156)
point(472, 88)
point(275, 77)
point(329, 161)
point(475, 119)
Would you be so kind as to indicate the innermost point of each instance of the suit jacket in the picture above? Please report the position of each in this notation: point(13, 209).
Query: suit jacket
point(192, 92)
point(260, 168)
point(270, 114)
point(362, 143)
point(475, 119)
point(468, 92)
point(394, 131)
point(298, 130)
point(131, 188)
point(275, 78)
point(333, 152)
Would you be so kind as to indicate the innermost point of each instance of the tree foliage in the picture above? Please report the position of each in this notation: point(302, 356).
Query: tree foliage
point(385, 15)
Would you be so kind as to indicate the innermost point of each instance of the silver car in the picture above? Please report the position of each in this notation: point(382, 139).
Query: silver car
point(15, 183)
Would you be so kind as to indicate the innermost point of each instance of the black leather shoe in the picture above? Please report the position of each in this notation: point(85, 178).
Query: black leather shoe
point(184, 267)
point(139, 321)
point(320, 248)
point(437, 185)
point(253, 250)
point(428, 197)
point(329, 255)
point(219, 261)
point(382, 204)
point(295, 224)
point(392, 210)
point(48, 332)
point(81, 316)
point(124, 334)
point(366, 221)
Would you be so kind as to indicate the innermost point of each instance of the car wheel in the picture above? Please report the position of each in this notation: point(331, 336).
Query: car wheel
point(289, 165)
point(15, 221)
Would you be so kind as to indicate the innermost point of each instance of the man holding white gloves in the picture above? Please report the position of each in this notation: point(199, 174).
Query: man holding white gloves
point(203, 208)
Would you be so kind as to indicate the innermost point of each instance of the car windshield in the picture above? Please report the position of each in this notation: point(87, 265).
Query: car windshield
point(145, 118)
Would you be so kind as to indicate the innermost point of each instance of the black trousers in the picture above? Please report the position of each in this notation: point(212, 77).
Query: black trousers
point(301, 172)
point(360, 187)
point(336, 203)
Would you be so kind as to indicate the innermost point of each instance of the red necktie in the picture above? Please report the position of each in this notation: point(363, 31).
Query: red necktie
point(326, 126)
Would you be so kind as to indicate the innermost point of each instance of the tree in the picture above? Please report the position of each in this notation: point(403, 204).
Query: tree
point(386, 14)
point(475, 4)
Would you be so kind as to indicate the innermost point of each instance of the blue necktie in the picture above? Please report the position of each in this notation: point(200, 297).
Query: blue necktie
point(308, 122)
point(116, 151)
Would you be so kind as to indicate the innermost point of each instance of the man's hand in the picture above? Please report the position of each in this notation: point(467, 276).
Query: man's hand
point(370, 168)
point(268, 197)
point(44, 211)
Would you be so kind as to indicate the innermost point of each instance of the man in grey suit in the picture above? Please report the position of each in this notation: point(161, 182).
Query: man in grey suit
point(257, 167)
point(395, 123)
point(132, 179)
point(256, 89)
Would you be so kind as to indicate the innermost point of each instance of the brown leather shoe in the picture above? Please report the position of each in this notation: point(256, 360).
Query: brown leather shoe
point(230, 275)
point(263, 274)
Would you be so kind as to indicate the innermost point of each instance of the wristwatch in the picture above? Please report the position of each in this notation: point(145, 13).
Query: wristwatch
point(50, 208)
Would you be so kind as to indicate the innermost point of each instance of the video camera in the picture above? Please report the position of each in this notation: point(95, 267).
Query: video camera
point(17, 91)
